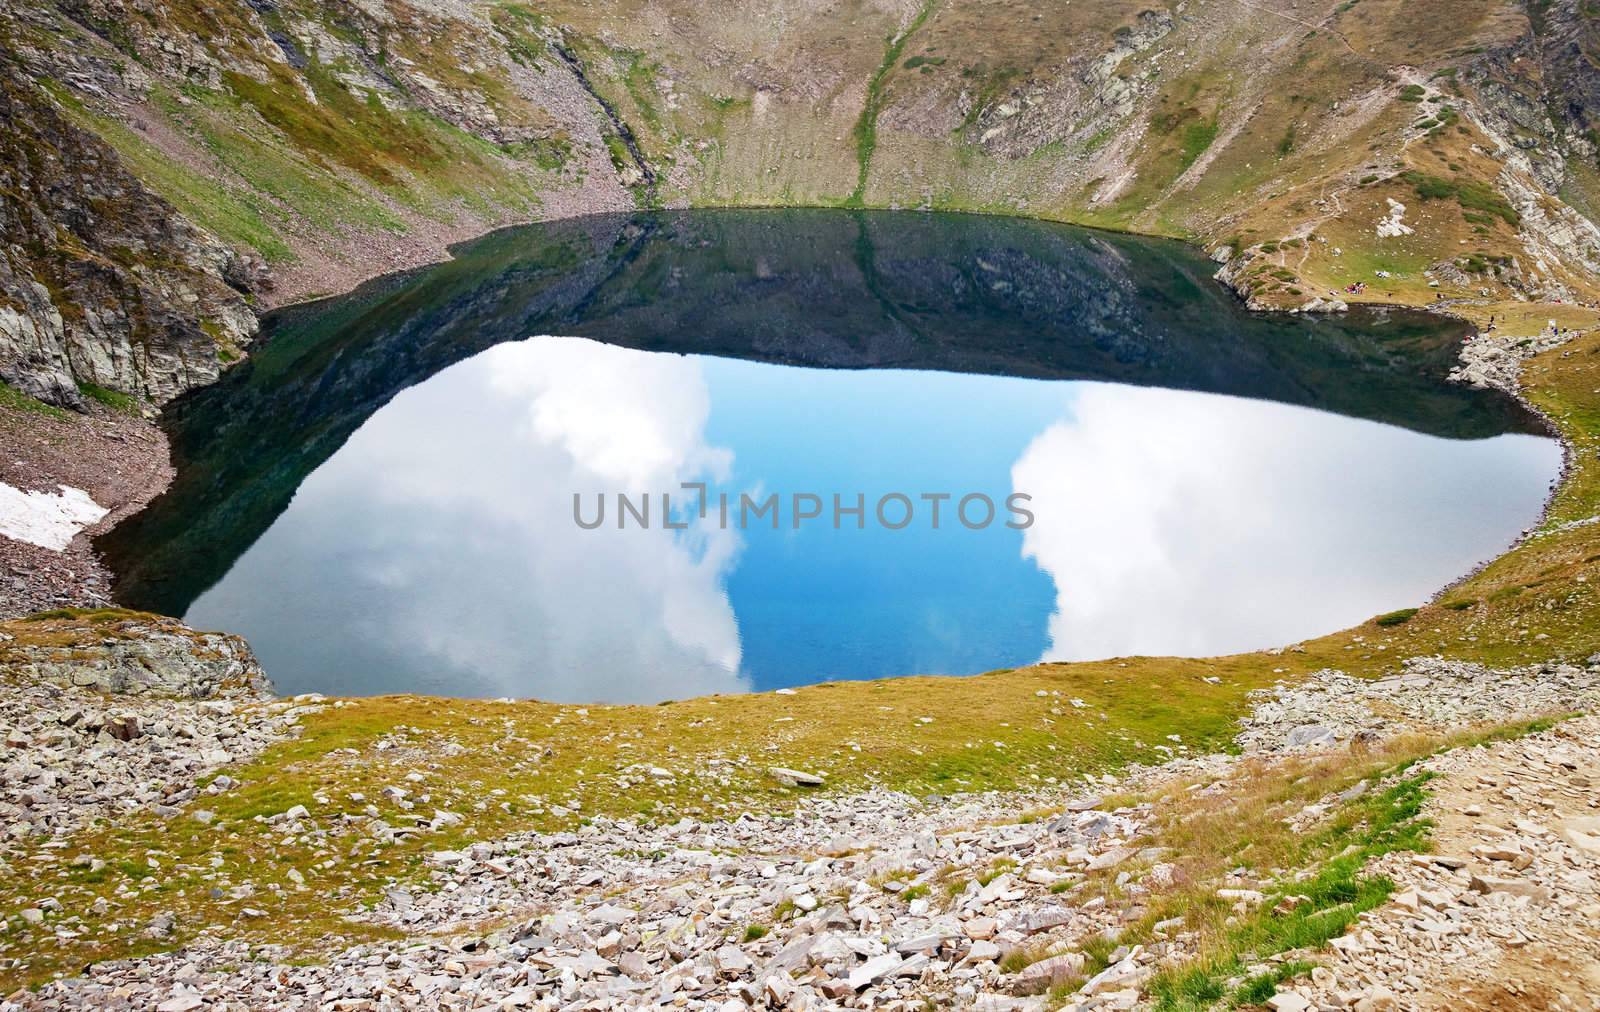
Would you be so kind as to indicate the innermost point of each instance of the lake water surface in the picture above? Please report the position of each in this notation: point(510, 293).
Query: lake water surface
point(382, 498)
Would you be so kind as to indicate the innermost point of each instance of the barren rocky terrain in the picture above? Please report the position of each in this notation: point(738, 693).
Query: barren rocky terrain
point(1478, 857)
point(118, 461)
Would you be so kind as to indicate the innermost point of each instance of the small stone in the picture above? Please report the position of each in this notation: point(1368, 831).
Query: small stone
point(984, 952)
point(926, 944)
point(1311, 734)
point(795, 778)
point(1288, 1001)
point(1047, 918)
point(1487, 884)
point(123, 727)
point(1037, 978)
point(1583, 834)
point(980, 928)
point(838, 990)
point(731, 961)
point(1377, 999)
point(874, 970)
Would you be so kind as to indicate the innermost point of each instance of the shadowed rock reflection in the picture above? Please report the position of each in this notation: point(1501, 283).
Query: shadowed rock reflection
point(814, 288)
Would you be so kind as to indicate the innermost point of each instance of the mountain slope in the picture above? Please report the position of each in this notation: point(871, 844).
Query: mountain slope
point(317, 142)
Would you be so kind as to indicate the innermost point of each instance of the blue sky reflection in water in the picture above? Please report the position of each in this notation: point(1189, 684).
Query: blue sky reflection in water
point(436, 550)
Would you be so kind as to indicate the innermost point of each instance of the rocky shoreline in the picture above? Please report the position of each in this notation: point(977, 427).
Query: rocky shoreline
point(103, 720)
point(882, 900)
point(120, 461)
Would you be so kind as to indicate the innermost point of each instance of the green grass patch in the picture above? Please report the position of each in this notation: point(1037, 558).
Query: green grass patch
point(617, 148)
point(549, 153)
point(1197, 137)
point(361, 135)
point(866, 128)
point(89, 614)
point(1469, 194)
point(1313, 880)
point(116, 400)
point(238, 217)
point(519, 26)
point(1336, 894)
point(1263, 986)
point(639, 79)
point(411, 155)
point(280, 175)
point(16, 400)
point(1398, 617)
point(1286, 142)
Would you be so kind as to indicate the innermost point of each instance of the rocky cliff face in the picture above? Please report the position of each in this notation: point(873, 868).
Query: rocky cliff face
point(101, 281)
point(1556, 109)
point(169, 169)
point(323, 141)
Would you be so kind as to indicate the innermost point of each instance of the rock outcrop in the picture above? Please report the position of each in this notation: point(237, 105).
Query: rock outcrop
point(127, 653)
point(73, 756)
point(101, 281)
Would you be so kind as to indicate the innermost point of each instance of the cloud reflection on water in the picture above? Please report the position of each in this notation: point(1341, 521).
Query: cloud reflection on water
point(1196, 524)
point(436, 551)
point(449, 519)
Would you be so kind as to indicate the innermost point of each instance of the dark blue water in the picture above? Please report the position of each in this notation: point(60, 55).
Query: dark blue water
point(424, 539)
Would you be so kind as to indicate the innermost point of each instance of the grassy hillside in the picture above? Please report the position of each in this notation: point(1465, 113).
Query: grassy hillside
point(337, 141)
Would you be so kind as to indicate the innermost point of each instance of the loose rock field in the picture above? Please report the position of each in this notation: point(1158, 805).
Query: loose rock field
point(882, 900)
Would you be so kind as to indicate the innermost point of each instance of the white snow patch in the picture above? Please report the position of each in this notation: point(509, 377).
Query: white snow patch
point(1392, 227)
point(46, 519)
